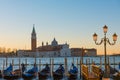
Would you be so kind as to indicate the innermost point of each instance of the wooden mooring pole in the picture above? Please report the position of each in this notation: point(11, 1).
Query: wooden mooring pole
point(89, 63)
point(6, 61)
point(35, 61)
point(80, 68)
point(73, 60)
point(3, 64)
point(13, 63)
point(77, 62)
point(3, 67)
point(65, 59)
point(52, 67)
point(26, 62)
point(100, 62)
point(39, 64)
point(19, 63)
point(114, 61)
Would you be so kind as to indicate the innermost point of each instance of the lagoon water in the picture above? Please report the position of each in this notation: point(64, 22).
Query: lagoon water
point(58, 60)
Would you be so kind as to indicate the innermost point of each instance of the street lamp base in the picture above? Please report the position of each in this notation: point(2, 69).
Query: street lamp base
point(105, 78)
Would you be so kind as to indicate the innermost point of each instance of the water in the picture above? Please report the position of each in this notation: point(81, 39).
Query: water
point(58, 60)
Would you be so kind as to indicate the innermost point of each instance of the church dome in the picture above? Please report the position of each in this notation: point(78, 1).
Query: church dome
point(54, 42)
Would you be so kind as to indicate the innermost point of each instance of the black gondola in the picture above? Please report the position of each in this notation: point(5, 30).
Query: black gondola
point(44, 73)
point(73, 73)
point(116, 76)
point(0, 74)
point(30, 74)
point(112, 71)
point(8, 74)
point(12, 75)
point(57, 76)
point(73, 76)
point(59, 73)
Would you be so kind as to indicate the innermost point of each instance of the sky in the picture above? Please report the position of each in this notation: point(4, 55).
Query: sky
point(71, 21)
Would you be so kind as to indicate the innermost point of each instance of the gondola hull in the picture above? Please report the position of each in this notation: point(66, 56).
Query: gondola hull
point(116, 77)
point(28, 76)
point(57, 76)
point(0, 74)
point(73, 76)
point(11, 77)
point(43, 75)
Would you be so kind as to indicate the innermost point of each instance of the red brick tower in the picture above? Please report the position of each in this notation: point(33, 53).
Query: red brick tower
point(33, 39)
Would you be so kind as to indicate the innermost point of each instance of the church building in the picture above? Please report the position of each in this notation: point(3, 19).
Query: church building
point(49, 50)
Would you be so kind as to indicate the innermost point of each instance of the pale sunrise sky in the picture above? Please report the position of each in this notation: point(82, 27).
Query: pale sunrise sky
point(71, 21)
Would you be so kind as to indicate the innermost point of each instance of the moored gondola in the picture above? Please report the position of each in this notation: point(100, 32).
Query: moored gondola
point(8, 74)
point(44, 73)
point(112, 71)
point(0, 74)
point(73, 76)
point(73, 73)
point(59, 73)
point(12, 75)
point(30, 74)
point(116, 76)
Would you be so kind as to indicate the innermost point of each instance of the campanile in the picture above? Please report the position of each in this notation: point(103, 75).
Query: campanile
point(33, 39)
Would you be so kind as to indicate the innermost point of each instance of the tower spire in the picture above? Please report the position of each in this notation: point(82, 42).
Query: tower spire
point(33, 31)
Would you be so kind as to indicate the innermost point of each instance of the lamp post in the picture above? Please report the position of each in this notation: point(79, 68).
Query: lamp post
point(105, 40)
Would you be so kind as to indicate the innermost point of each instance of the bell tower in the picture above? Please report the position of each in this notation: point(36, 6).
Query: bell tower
point(33, 39)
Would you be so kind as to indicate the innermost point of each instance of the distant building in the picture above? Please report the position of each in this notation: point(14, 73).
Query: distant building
point(52, 50)
point(86, 52)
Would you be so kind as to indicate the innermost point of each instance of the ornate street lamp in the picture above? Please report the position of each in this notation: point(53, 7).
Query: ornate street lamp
point(105, 40)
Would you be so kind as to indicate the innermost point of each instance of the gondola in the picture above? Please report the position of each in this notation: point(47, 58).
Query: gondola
point(0, 74)
point(59, 73)
point(58, 76)
point(31, 73)
point(44, 73)
point(116, 76)
point(29, 76)
point(112, 71)
point(9, 74)
point(12, 75)
point(73, 73)
point(72, 76)
point(101, 72)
